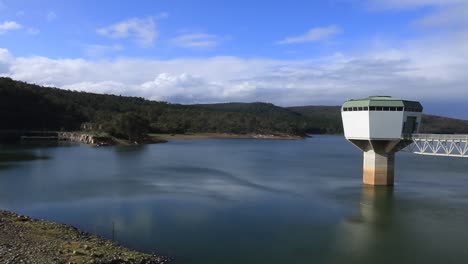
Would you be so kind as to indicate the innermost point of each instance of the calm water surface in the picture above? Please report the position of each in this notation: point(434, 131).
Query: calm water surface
point(246, 201)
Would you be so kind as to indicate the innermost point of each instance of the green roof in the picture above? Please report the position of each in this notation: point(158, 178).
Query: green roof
point(383, 101)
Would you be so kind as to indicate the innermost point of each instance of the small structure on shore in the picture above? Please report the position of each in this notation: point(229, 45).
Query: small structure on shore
point(380, 126)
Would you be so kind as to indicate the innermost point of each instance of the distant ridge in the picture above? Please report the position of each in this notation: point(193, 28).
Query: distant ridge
point(430, 123)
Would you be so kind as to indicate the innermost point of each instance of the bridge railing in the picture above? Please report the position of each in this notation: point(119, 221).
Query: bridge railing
point(452, 145)
point(439, 137)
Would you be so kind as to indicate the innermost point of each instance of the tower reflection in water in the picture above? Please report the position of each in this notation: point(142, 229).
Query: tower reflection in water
point(376, 206)
point(366, 236)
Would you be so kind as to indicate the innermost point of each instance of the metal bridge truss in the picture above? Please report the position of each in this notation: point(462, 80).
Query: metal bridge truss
point(439, 145)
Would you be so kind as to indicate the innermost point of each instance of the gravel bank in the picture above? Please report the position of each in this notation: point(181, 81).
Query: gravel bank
point(27, 240)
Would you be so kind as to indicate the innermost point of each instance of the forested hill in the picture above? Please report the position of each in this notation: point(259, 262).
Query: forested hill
point(430, 123)
point(26, 106)
point(32, 107)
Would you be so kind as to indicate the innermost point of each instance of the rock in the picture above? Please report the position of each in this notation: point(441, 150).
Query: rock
point(96, 254)
point(78, 253)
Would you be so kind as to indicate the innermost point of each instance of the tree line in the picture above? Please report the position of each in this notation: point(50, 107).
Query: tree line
point(27, 106)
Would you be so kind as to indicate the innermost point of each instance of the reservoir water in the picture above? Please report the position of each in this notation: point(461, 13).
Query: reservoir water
point(246, 201)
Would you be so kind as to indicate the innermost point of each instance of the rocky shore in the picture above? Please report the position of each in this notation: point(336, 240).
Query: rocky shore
point(85, 138)
point(27, 240)
point(95, 140)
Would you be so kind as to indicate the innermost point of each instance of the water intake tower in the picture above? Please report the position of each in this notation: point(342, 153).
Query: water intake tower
point(380, 126)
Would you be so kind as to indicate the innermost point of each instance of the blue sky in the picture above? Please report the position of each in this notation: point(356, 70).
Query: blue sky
point(244, 28)
point(284, 52)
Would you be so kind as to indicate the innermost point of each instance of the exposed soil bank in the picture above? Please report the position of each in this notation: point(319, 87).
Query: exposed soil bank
point(223, 135)
point(27, 240)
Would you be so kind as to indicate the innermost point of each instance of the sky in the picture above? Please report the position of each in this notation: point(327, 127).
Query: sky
point(296, 52)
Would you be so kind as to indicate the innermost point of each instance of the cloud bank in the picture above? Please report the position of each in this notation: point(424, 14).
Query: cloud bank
point(9, 26)
point(433, 68)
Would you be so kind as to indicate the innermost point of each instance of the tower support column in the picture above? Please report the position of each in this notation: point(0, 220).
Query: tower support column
point(378, 168)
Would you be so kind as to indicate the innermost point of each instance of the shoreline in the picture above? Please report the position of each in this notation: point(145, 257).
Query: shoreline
point(189, 136)
point(28, 240)
point(97, 139)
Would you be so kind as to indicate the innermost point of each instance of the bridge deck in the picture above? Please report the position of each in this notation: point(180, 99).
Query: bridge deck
point(439, 145)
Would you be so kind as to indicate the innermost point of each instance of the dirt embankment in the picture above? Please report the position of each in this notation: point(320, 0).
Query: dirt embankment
point(27, 240)
point(224, 135)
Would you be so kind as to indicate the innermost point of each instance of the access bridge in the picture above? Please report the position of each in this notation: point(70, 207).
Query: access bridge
point(450, 145)
point(380, 126)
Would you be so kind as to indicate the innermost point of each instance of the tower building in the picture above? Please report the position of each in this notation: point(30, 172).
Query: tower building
point(379, 125)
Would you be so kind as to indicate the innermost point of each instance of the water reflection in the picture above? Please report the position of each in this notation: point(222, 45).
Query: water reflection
point(20, 156)
point(376, 206)
point(129, 149)
point(360, 236)
point(5, 166)
point(10, 157)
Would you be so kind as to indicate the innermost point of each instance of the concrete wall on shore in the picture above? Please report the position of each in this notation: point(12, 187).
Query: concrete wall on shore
point(85, 138)
point(77, 137)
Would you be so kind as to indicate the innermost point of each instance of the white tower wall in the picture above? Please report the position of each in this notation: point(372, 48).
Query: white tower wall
point(378, 126)
point(385, 125)
point(356, 124)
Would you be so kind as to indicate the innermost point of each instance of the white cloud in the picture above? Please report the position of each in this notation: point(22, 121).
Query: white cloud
point(5, 61)
point(8, 26)
point(107, 87)
point(143, 30)
point(314, 34)
point(450, 15)
point(433, 68)
point(51, 16)
point(442, 12)
point(184, 87)
point(404, 4)
point(4, 55)
point(196, 40)
point(33, 31)
point(95, 50)
point(162, 15)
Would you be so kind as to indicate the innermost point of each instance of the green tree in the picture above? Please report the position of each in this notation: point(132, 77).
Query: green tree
point(131, 126)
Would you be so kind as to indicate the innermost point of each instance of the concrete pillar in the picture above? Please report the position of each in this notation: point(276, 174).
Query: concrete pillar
point(378, 168)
